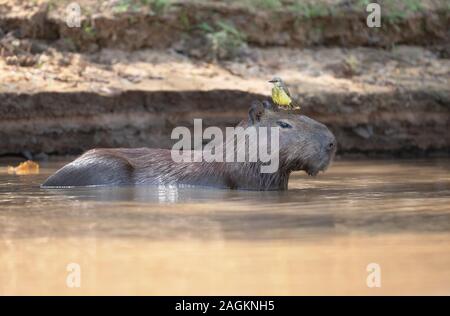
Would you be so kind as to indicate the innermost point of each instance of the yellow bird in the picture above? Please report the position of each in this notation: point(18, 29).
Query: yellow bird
point(280, 93)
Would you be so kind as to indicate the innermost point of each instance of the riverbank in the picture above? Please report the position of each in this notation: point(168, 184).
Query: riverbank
point(62, 96)
point(377, 102)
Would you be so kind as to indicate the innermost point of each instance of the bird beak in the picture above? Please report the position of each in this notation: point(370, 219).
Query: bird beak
point(272, 81)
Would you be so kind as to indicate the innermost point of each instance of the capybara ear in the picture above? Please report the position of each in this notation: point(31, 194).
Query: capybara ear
point(269, 105)
point(255, 112)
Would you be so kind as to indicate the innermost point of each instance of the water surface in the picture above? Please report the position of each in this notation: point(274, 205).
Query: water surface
point(316, 238)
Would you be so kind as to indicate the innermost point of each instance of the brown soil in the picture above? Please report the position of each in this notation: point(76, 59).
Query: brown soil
point(376, 101)
point(342, 23)
point(54, 99)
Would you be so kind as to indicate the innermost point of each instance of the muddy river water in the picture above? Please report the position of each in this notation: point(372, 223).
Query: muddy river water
point(319, 237)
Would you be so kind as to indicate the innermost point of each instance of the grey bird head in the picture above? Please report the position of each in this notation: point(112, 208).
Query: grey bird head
point(276, 81)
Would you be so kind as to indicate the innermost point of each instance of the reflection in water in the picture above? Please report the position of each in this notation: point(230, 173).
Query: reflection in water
point(317, 237)
point(166, 193)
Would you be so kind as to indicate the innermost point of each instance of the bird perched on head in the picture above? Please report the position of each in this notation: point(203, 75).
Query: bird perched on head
point(280, 93)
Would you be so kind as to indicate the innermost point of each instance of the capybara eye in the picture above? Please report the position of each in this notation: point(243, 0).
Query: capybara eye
point(284, 124)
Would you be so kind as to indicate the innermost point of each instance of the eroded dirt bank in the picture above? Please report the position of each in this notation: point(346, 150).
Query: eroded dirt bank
point(61, 96)
point(375, 101)
point(408, 123)
point(129, 25)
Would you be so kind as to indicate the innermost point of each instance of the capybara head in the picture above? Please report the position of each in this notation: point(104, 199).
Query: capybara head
point(304, 143)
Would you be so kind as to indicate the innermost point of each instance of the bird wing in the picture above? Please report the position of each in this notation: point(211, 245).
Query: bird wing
point(284, 87)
